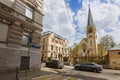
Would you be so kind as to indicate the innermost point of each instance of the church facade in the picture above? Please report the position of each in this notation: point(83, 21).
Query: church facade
point(88, 46)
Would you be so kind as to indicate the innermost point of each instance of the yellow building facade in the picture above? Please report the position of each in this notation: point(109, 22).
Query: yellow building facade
point(53, 47)
point(113, 58)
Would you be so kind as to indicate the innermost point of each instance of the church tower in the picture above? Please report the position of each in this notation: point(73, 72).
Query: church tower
point(91, 36)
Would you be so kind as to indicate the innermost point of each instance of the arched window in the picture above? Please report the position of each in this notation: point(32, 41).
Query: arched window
point(90, 37)
point(90, 43)
point(84, 47)
point(90, 30)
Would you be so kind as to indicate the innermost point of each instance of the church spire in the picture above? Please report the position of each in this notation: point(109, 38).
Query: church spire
point(90, 20)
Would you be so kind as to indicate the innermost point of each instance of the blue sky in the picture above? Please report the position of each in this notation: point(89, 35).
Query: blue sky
point(106, 17)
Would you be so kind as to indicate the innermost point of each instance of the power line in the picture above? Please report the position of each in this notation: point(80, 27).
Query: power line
point(68, 13)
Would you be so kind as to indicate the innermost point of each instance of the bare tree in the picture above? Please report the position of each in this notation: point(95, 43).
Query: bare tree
point(107, 41)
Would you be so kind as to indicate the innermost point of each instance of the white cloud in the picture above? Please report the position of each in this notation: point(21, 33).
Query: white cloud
point(105, 16)
point(56, 18)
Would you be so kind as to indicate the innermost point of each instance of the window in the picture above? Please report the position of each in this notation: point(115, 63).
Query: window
point(56, 48)
point(25, 39)
point(52, 39)
point(59, 49)
point(119, 53)
point(90, 37)
point(29, 12)
point(3, 32)
point(43, 39)
point(62, 49)
point(90, 30)
point(43, 47)
point(56, 41)
point(51, 47)
point(90, 43)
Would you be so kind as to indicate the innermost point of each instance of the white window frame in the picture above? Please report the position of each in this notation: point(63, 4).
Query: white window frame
point(29, 12)
point(25, 43)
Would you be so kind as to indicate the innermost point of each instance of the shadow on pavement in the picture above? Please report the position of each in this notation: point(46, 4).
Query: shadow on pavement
point(85, 77)
point(22, 75)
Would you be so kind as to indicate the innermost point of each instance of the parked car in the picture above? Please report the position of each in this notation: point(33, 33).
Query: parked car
point(55, 64)
point(89, 66)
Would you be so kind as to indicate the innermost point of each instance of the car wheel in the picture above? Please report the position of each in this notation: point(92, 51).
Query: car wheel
point(94, 70)
point(46, 65)
point(76, 68)
point(61, 67)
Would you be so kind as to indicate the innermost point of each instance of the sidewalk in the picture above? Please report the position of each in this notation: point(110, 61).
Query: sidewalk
point(22, 75)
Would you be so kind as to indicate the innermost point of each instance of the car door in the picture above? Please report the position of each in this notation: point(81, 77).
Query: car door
point(90, 66)
point(82, 67)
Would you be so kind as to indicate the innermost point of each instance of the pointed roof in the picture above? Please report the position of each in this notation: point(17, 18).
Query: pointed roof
point(90, 20)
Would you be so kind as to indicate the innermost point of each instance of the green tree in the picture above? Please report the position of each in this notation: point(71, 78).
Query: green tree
point(75, 48)
point(101, 51)
point(118, 45)
point(107, 41)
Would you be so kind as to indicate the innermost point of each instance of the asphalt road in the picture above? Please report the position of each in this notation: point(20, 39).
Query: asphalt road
point(84, 75)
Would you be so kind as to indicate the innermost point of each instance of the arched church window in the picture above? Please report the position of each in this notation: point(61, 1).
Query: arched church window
point(90, 30)
point(90, 43)
point(90, 37)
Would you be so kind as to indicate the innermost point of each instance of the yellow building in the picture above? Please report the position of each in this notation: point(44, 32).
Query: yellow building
point(88, 46)
point(113, 58)
point(20, 23)
point(53, 47)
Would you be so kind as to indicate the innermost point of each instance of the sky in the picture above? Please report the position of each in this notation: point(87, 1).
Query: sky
point(105, 13)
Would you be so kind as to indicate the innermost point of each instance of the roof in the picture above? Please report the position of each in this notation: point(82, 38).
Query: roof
point(115, 48)
point(49, 32)
point(90, 19)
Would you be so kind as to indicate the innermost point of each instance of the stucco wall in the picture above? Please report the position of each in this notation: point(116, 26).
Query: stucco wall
point(114, 59)
point(10, 59)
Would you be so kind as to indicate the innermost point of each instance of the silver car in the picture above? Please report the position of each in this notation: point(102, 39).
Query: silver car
point(55, 64)
point(89, 66)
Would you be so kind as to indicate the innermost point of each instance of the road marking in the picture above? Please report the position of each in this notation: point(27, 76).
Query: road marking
point(45, 77)
point(66, 78)
point(72, 78)
point(54, 77)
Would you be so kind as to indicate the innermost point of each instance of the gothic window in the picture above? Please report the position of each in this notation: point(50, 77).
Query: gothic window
point(90, 43)
point(90, 37)
point(90, 30)
point(84, 47)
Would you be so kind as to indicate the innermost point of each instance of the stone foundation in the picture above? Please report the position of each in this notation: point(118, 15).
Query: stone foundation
point(10, 59)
